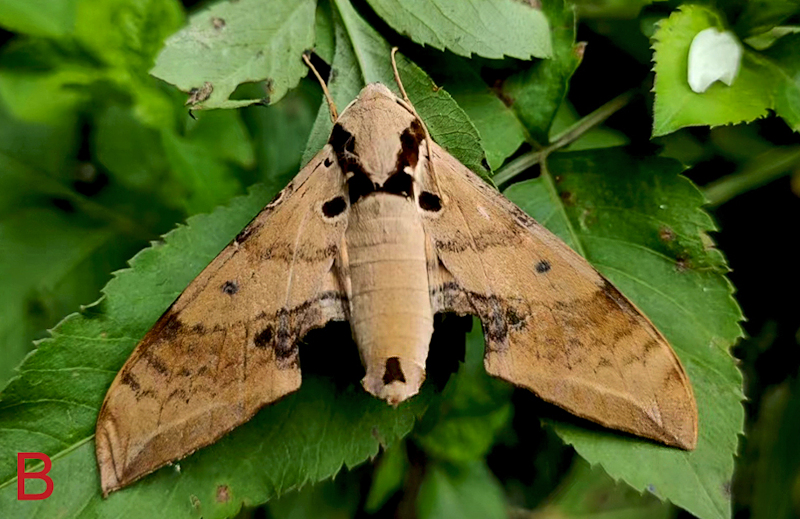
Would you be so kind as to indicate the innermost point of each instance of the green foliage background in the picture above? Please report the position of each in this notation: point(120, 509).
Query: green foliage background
point(115, 192)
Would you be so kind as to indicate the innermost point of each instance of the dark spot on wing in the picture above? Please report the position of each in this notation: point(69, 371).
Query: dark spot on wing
point(155, 362)
point(230, 287)
point(513, 319)
point(334, 207)
point(167, 327)
point(393, 371)
point(264, 338)
point(400, 184)
point(129, 380)
point(543, 267)
point(328, 162)
point(430, 202)
point(199, 328)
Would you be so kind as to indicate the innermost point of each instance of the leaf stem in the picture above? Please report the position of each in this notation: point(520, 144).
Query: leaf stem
point(758, 171)
point(565, 138)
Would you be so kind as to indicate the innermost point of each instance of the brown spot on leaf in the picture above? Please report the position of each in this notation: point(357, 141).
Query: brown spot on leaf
point(218, 23)
point(568, 197)
point(223, 494)
point(198, 95)
point(579, 49)
point(666, 233)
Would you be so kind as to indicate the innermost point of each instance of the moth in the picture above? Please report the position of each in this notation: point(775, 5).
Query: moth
point(384, 228)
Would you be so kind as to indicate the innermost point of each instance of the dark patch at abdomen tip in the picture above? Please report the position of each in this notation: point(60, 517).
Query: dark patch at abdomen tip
point(393, 371)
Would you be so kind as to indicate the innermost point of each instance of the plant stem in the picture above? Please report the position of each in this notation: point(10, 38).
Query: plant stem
point(758, 171)
point(565, 138)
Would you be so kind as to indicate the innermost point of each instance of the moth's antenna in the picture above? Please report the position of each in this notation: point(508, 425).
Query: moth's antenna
point(331, 104)
point(413, 111)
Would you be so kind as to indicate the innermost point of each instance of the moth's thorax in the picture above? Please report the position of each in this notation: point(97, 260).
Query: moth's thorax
point(372, 135)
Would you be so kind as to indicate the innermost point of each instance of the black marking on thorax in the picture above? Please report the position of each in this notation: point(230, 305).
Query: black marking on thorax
point(360, 183)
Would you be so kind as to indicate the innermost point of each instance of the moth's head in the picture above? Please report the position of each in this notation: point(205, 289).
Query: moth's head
point(376, 134)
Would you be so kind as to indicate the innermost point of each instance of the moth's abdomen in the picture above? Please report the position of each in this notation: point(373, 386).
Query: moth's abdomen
point(390, 310)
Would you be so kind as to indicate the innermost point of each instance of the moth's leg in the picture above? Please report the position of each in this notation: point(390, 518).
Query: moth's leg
point(331, 104)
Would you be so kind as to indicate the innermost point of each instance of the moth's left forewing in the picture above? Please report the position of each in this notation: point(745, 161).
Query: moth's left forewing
point(552, 323)
point(228, 345)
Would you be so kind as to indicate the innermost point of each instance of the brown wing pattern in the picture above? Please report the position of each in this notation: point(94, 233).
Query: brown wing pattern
point(552, 323)
point(228, 345)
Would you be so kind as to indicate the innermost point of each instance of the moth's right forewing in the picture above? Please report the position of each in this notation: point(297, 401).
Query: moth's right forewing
point(552, 323)
point(228, 345)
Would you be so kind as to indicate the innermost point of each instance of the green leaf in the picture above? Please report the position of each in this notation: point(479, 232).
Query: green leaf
point(474, 408)
point(500, 131)
point(536, 93)
point(231, 43)
point(49, 18)
point(464, 491)
point(126, 34)
point(759, 16)
point(52, 262)
point(784, 61)
point(324, 43)
point(598, 137)
point(610, 9)
point(639, 222)
point(777, 464)
point(489, 29)
point(52, 406)
point(331, 499)
point(676, 105)
point(589, 493)
point(362, 56)
point(280, 133)
point(206, 180)
point(388, 477)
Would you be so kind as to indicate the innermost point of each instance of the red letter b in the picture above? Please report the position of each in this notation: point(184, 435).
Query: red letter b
point(42, 474)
